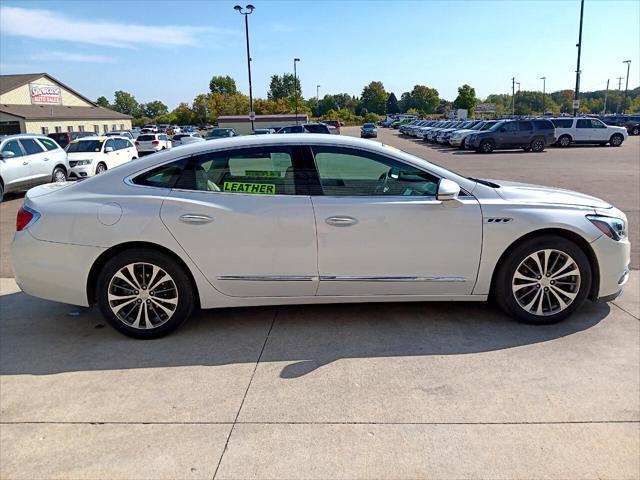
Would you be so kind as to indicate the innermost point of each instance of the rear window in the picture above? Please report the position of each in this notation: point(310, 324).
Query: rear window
point(542, 125)
point(317, 128)
point(48, 143)
point(85, 146)
point(562, 123)
point(146, 138)
point(164, 176)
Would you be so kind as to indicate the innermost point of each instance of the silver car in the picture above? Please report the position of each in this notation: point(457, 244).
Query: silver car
point(306, 219)
point(29, 160)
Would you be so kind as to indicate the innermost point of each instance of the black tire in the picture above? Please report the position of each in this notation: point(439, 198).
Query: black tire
point(502, 291)
point(101, 168)
point(635, 131)
point(486, 146)
point(59, 175)
point(537, 145)
point(185, 295)
point(564, 141)
point(1, 192)
point(526, 149)
point(463, 144)
point(616, 140)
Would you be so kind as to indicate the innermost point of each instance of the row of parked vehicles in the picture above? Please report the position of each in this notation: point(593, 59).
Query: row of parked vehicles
point(533, 134)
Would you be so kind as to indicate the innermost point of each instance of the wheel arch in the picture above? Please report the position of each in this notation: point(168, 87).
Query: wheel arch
point(105, 256)
point(567, 234)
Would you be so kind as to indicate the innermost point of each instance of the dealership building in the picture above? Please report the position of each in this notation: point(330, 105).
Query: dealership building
point(38, 103)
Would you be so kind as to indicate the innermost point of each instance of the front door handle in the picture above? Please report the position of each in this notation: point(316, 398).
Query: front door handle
point(25, 163)
point(195, 219)
point(46, 159)
point(341, 221)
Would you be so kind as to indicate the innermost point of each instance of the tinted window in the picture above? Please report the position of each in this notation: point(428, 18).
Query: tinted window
point(317, 128)
point(562, 123)
point(120, 143)
point(163, 137)
point(146, 138)
point(583, 123)
point(525, 126)
point(262, 171)
point(542, 125)
point(30, 146)
point(110, 143)
point(12, 146)
point(597, 124)
point(164, 176)
point(349, 172)
point(510, 126)
point(84, 146)
point(48, 143)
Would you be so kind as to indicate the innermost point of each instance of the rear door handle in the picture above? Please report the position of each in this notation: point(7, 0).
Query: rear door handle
point(341, 221)
point(195, 219)
point(46, 159)
point(25, 163)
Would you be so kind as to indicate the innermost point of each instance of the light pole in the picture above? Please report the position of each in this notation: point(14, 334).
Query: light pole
point(579, 45)
point(318, 100)
point(626, 87)
point(295, 85)
point(513, 96)
point(249, 10)
point(544, 87)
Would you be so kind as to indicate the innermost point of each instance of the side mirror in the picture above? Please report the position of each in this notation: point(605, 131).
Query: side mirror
point(447, 190)
point(108, 150)
point(8, 154)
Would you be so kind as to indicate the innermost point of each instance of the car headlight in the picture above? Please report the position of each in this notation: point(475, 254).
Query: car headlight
point(83, 162)
point(613, 227)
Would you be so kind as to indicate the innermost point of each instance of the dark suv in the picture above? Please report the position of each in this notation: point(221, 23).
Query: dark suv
point(530, 135)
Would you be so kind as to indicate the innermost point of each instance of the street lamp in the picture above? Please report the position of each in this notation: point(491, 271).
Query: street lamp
point(578, 72)
point(249, 10)
point(544, 86)
point(626, 87)
point(295, 85)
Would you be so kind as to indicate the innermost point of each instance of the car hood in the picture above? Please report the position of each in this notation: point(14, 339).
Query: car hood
point(523, 192)
point(82, 155)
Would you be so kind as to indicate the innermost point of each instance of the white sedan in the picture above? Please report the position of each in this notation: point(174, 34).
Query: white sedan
point(92, 155)
point(303, 219)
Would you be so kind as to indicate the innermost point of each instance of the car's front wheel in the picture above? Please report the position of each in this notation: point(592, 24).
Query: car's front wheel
point(537, 145)
point(635, 131)
point(144, 294)
point(101, 168)
point(59, 175)
point(616, 140)
point(543, 280)
point(486, 146)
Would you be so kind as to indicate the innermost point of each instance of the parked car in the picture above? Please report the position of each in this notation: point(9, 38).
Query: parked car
point(162, 128)
point(200, 227)
point(29, 160)
point(221, 133)
point(369, 130)
point(458, 138)
point(264, 131)
point(152, 142)
point(633, 127)
point(630, 122)
point(184, 138)
point(587, 130)
point(336, 124)
point(530, 135)
point(150, 128)
point(93, 155)
point(173, 130)
point(121, 133)
point(293, 129)
point(63, 138)
point(320, 128)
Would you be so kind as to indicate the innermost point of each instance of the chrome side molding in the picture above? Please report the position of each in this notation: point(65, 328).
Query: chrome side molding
point(334, 278)
point(269, 278)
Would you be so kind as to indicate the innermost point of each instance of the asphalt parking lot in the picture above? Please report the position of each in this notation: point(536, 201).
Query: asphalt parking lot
point(403, 391)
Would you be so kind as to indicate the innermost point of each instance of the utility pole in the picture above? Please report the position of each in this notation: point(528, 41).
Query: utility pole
point(544, 87)
point(513, 96)
point(619, 87)
point(626, 86)
point(295, 85)
point(579, 45)
point(318, 100)
point(606, 93)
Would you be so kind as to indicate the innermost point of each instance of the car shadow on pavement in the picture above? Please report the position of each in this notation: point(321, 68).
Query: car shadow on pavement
point(38, 337)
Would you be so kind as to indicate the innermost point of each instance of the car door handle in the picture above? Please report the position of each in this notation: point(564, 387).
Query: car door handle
point(195, 219)
point(25, 163)
point(46, 159)
point(341, 221)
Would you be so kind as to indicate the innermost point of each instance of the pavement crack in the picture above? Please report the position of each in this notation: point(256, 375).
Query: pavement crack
point(246, 392)
point(625, 311)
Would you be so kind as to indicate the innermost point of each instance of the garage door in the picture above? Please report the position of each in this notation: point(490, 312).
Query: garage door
point(9, 128)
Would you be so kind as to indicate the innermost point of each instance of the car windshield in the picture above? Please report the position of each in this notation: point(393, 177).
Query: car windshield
point(487, 125)
point(85, 146)
point(496, 126)
point(478, 126)
point(369, 125)
point(219, 132)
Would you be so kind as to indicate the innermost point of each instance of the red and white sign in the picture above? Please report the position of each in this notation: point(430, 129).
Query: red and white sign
point(48, 94)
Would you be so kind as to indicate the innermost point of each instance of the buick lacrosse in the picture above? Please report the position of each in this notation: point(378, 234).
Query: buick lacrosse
point(301, 219)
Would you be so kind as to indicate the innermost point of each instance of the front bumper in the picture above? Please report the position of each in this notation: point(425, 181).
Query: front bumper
point(81, 171)
point(455, 141)
point(613, 263)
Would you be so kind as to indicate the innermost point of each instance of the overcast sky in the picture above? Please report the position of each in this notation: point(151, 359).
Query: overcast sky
point(168, 50)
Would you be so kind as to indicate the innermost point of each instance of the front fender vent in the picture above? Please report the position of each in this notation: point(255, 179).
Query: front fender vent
point(498, 220)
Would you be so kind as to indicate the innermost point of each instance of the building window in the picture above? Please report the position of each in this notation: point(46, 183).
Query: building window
point(96, 128)
point(122, 126)
point(69, 128)
point(81, 128)
point(105, 127)
point(58, 129)
point(114, 127)
point(45, 130)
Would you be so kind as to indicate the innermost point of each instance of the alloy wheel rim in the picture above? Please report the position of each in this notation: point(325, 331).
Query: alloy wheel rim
point(564, 141)
point(537, 145)
point(60, 176)
point(142, 295)
point(616, 140)
point(546, 282)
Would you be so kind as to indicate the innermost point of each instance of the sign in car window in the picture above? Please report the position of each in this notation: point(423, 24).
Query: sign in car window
point(244, 187)
point(45, 94)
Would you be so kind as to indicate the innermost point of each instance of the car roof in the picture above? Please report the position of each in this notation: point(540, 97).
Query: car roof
point(22, 135)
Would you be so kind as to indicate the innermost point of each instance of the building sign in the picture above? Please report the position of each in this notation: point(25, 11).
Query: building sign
point(576, 104)
point(485, 108)
point(45, 94)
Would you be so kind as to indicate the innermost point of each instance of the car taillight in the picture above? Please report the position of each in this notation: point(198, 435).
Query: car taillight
point(155, 142)
point(26, 216)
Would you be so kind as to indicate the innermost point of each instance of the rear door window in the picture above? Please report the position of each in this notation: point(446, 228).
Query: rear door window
point(562, 123)
point(583, 123)
point(542, 125)
point(31, 146)
point(48, 143)
point(525, 126)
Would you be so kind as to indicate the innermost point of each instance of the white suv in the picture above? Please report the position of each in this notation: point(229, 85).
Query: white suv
point(152, 142)
point(30, 160)
point(587, 130)
point(92, 155)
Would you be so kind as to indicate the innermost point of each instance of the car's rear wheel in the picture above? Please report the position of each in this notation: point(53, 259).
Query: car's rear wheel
point(101, 168)
point(635, 131)
point(59, 175)
point(486, 146)
point(616, 140)
point(144, 294)
point(537, 145)
point(564, 141)
point(544, 280)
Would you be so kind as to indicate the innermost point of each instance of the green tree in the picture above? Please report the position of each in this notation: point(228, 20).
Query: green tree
point(126, 103)
point(424, 99)
point(374, 98)
point(103, 102)
point(223, 84)
point(466, 98)
point(154, 109)
point(283, 86)
point(183, 114)
point(392, 103)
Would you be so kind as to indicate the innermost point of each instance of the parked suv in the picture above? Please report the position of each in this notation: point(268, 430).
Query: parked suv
point(93, 155)
point(30, 160)
point(152, 142)
point(530, 135)
point(587, 130)
point(64, 138)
